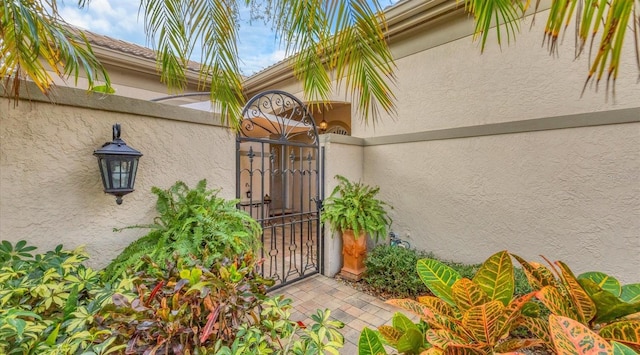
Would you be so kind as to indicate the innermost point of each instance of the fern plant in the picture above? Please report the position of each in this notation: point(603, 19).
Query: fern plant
point(353, 205)
point(193, 224)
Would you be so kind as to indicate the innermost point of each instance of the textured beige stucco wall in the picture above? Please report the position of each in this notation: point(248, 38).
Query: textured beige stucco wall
point(50, 187)
point(569, 194)
point(455, 85)
point(343, 156)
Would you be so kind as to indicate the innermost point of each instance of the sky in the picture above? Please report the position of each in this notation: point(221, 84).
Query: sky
point(118, 19)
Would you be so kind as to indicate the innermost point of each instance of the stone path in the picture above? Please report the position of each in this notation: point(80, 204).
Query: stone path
point(356, 309)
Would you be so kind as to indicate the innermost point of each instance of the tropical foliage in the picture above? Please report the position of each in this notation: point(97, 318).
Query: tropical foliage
point(594, 299)
point(194, 224)
point(469, 315)
point(342, 36)
point(588, 313)
point(35, 42)
point(353, 205)
point(601, 24)
point(345, 37)
point(50, 303)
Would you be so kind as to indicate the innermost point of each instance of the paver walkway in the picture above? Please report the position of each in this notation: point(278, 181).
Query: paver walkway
point(356, 309)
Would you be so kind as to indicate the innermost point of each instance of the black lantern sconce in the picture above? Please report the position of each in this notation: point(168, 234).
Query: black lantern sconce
point(118, 165)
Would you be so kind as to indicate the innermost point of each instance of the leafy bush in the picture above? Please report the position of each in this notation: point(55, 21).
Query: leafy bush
point(223, 309)
point(391, 270)
point(465, 315)
point(589, 313)
point(49, 302)
point(195, 225)
point(277, 334)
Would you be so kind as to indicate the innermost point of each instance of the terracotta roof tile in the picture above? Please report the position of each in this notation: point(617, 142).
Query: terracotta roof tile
point(126, 47)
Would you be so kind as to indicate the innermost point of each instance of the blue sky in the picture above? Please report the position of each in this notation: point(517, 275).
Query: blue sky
point(119, 19)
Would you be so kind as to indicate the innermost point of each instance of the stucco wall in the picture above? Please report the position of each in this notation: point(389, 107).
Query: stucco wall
point(344, 156)
point(453, 84)
point(50, 187)
point(568, 194)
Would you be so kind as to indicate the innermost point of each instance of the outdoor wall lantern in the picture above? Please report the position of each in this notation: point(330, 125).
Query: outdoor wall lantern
point(323, 124)
point(118, 164)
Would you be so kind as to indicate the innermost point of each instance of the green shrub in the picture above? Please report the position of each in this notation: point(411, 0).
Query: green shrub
point(195, 225)
point(391, 270)
point(464, 316)
point(49, 302)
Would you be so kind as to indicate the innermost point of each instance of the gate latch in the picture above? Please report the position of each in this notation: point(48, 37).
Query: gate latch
point(318, 203)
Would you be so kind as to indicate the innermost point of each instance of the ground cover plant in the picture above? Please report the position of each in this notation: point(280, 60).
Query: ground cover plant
point(478, 315)
point(391, 273)
point(50, 303)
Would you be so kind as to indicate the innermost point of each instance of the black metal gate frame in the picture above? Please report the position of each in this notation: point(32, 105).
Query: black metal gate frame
point(277, 118)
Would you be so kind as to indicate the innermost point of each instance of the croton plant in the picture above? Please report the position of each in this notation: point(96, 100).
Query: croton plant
point(588, 314)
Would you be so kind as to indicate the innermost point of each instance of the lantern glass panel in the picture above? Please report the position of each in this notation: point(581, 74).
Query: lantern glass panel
point(120, 173)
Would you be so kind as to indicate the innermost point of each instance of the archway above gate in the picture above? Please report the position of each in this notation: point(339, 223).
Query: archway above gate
point(277, 115)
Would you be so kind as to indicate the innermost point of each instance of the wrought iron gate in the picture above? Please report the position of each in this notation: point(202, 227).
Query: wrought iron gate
point(278, 182)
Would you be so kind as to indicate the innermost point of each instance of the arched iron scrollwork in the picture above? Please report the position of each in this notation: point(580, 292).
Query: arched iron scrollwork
point(278, 183)
point(277, 115)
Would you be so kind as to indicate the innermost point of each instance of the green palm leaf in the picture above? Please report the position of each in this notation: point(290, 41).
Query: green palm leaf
point(34, 40)
point(439, 278)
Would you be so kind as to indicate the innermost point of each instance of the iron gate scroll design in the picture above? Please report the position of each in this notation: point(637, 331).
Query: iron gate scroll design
point(278, 182)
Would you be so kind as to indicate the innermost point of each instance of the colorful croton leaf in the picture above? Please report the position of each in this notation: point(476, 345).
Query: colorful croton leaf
point(571, 337)
point(439, 278)
point(582, 303)
point(495, 277)
point(625, 332)
point(468, 316)
point(370, 344)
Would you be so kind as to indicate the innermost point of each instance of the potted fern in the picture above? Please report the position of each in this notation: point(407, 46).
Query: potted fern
point(353, 209)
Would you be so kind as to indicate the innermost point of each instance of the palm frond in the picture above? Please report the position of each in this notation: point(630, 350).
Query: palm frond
point(34, 40)
point(344, 37)
point(176, 27)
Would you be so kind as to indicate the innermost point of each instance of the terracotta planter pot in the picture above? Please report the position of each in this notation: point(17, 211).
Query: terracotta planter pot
point(354, 252)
